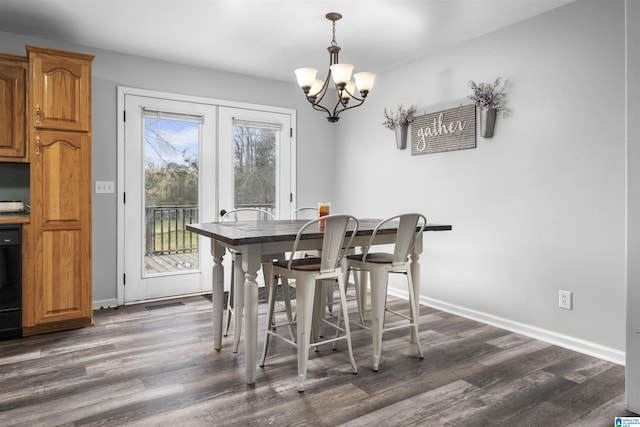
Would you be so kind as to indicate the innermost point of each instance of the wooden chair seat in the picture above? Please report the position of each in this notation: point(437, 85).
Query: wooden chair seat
point(375, 258)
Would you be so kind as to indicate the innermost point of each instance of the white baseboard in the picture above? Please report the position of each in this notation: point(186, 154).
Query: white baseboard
point(572, 343)
point(106, 303)
point(113, 302)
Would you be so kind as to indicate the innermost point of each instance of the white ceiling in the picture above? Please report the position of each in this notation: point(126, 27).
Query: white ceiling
point(267, 38)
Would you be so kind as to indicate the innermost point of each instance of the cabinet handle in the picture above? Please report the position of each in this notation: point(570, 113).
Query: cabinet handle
point(37, 114)
point(37, 144)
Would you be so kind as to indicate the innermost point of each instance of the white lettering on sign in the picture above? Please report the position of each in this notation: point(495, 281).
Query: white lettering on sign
point(447, 130)
point(438, 129)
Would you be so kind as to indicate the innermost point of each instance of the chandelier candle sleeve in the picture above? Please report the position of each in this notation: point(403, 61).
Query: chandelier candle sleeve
point(338, 78)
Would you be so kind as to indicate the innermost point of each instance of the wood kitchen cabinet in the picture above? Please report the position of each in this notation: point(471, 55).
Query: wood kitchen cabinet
point(60, 89)
point(58, 293)
point(13, 70)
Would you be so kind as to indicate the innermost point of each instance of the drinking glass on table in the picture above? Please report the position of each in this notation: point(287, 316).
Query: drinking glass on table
point(324, 209)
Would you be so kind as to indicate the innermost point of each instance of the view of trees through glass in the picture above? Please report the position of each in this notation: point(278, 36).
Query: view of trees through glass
point(255, 167)
point(171, 162)
point(171, 192)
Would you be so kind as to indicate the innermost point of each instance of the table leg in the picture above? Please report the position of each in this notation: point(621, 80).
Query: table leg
point(250, 264)
point(238, 300)
point(217, 293)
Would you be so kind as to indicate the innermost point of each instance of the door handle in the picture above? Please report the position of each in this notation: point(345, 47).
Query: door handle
point(223, 212)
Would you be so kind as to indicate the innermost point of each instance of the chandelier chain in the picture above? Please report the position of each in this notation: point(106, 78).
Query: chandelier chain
point(333, 41)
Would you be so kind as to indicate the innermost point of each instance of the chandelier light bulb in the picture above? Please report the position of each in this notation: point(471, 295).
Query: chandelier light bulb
point(348, 91)
point(341, 74)
point(306, 77)
point(316, 87)
point(364, 81)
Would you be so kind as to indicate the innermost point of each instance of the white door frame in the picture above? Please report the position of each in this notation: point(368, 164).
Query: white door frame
point(121, 92)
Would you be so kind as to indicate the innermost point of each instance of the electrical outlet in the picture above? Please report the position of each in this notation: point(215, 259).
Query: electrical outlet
point(565, 300)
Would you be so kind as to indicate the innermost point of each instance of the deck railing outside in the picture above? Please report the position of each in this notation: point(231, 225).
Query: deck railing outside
point(166, 228)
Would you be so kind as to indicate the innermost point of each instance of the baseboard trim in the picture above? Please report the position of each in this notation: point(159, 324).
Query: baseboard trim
point(571, 343)
point(105, 303)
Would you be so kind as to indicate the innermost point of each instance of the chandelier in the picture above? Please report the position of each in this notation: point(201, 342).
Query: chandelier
point(340, 76)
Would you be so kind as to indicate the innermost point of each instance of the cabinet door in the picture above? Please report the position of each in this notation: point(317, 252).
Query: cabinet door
point(60, 90)
point(61, 226)
point(12, 114)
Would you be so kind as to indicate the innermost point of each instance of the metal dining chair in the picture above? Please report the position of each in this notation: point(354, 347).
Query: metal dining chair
point(237, 283)
point(379, 265)
point(308, 213)
point(311, 212)
point(246, 214)
point(308, 274)
point(305, 212)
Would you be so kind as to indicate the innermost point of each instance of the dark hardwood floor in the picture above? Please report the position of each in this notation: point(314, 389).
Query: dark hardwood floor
point(140, 367)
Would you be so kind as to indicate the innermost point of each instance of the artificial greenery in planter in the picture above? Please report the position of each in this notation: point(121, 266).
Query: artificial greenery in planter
point(490, 101)
point(399, 121)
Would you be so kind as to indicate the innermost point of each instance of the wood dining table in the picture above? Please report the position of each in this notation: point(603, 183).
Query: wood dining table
point(252, 241)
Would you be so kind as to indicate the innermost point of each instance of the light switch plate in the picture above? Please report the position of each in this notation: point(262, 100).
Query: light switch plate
point(105, 187)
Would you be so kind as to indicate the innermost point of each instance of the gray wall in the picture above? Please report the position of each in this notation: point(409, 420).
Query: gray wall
point(537, 208)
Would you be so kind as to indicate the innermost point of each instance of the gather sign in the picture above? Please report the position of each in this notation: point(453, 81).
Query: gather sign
point(448, 130)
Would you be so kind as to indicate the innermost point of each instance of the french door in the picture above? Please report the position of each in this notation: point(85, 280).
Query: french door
point(184, 159)
point(168, 144)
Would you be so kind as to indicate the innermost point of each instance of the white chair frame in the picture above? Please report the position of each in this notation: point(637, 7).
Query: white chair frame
point(305, 212)
point(379, 265)
point(308, 274)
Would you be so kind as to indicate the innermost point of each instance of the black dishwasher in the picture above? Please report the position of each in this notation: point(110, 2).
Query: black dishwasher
point(10, 281)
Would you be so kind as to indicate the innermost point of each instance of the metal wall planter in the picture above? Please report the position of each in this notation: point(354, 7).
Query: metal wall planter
point(487, 121)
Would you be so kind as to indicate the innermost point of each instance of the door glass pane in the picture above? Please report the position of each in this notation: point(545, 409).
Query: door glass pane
point(171, 161)
point(255, 154)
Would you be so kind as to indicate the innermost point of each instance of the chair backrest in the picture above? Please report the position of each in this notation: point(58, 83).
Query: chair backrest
point(307, 212)
point(335, 229)
point(247, 214)
point(410, 226)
